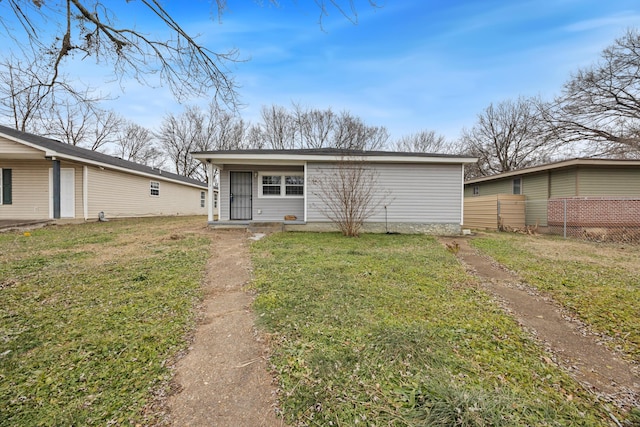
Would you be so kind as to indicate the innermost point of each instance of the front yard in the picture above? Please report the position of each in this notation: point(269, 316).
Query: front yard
point(390, 330)
point(90, 317)
point(382, 330)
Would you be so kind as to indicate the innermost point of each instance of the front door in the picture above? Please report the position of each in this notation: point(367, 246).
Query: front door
point(240, 195)
point(67, 193)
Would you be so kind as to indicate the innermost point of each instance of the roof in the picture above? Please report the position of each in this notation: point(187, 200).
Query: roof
point(57, 149)
point(562, 164)
point(325, 154)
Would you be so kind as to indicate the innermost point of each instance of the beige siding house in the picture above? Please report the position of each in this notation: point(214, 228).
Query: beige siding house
point(45, 179)
point(413, 192)
point(580, 180)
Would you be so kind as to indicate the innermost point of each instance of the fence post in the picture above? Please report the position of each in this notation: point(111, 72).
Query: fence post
point(564, 218)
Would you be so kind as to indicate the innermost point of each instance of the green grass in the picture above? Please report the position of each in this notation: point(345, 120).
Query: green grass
point(91, 314)
point(599, 282)
point(388, 330)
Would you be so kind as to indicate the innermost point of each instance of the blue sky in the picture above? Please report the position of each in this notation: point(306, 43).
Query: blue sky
point(409, 65)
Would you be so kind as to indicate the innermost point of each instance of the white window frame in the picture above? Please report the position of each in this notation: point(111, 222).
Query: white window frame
point(203, 199)
point(151, 188)
point(513, 186)
point(283, 185)
point(476, 190)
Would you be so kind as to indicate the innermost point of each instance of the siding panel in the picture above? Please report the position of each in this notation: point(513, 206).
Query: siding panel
point(502, 186)
point(11, 148)
point(30, 189)
point(563, 183)
point(536, 188)
point(119, 194)
point(413, 193)
point(609, 182)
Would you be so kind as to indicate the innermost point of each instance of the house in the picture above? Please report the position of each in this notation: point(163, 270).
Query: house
point(413, 192)
point(44, 179)
point(581, 194)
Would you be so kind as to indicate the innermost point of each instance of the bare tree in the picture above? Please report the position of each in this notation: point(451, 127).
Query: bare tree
point(136, 144)
point(82, 124)
point(226, 130)
point(600, 105)
point(254, 137)
point(426, 141)
point(21, 95)
point(351, 133)
point(182, 134)
point(199, 130)
point(91, 28)
point(313, 128)
point(30, 101)
point(278, 127)
point(507, 136)
point(348, 195)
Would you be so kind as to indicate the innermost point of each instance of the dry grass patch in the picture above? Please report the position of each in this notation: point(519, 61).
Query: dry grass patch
point(91, 316)
point(389, 330)
point(600, 282)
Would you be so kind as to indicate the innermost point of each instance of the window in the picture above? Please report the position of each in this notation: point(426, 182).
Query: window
point(517, 186)
point(294, 185)
point(203, 198)
point(155, 188)
point(281, 185)
point(5, 186)
point(271, 185)
point(476, 190)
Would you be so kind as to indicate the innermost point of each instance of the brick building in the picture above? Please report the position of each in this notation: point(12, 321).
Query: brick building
point(578, 196)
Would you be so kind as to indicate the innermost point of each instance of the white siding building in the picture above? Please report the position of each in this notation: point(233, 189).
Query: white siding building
point(45, 179)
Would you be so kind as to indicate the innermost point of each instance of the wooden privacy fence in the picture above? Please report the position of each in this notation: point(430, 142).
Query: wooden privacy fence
point(494, 212)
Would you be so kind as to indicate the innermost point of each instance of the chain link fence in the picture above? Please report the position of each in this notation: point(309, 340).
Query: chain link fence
point(599, 219)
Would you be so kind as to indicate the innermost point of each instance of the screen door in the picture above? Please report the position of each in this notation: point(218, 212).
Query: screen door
point(240, 196)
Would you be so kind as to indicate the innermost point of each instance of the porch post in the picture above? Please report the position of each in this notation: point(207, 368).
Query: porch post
point(85, 192)
point(305, 191)
point(56, 188)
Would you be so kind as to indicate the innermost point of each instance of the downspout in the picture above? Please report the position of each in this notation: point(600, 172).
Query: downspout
point(56, 188)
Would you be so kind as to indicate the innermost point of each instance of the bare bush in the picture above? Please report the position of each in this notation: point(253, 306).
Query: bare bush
point(347, 193)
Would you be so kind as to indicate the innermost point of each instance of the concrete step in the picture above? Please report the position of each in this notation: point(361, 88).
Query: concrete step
point(265, 227)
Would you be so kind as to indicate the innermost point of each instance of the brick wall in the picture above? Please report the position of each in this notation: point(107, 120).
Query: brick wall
point(596, 218)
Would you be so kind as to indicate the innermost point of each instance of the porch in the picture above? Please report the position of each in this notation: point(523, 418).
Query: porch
point(255, 226)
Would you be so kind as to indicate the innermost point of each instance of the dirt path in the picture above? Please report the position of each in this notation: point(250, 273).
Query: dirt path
point(223, 380)
point(598, 369)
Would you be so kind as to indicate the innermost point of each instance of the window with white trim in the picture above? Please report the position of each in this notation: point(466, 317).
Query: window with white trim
point(203, 199)
point(517, 186)
point(281, 184)
point(154, 189)
point(476, 190)
point(271, 185)
point(5, 187)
